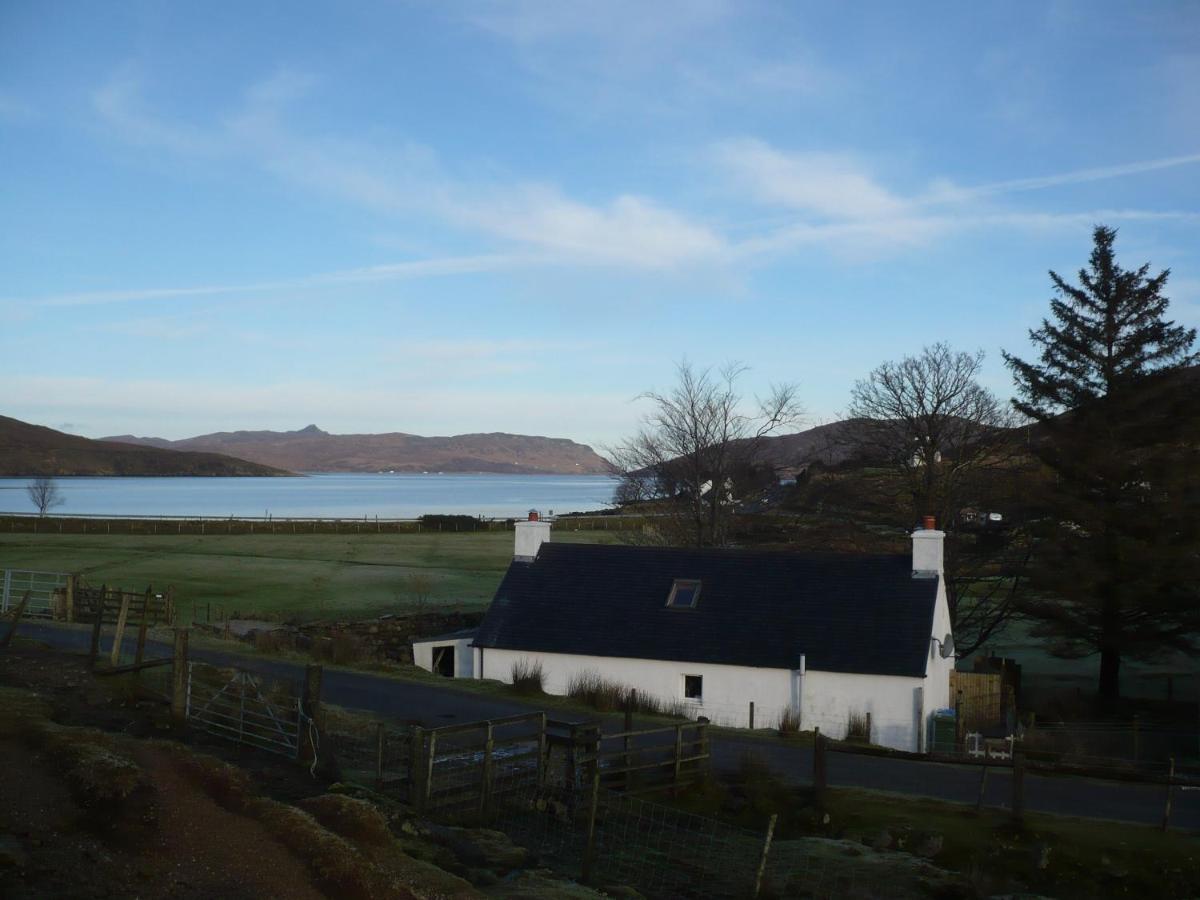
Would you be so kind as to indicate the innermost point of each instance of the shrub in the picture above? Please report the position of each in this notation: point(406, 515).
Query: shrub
point(789, 722)
point(606, 695)
point(528, 677)
point(276, 641)
point(858, 727)
point(342, 648)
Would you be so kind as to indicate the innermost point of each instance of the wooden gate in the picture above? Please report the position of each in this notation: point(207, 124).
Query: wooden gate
point(237, 706)
point(47, 592)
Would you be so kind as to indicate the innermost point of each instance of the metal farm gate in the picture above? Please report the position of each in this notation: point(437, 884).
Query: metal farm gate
point(242, 707)
point(47, 592)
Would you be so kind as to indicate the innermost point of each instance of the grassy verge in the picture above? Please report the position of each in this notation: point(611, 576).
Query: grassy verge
point(1046, 855)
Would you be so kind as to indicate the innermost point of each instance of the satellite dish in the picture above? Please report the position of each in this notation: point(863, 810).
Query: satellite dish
point(947, 648)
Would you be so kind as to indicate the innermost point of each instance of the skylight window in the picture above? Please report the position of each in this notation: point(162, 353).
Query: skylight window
point(684, 594)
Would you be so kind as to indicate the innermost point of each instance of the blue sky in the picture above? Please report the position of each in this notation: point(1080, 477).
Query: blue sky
point(448, 217)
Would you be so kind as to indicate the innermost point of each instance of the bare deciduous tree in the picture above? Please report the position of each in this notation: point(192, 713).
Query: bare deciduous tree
point(694, 447)
point(928, 417)
point(44, 494)
point(418, 586)
point(945, 435)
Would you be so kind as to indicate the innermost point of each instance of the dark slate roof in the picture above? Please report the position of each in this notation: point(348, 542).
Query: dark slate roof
point(448, 636)
point(846, 613)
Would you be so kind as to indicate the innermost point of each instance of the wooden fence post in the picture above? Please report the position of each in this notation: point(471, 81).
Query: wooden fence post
point(96, 626)
point(179, 680)
point(1166, 820)
point(416, 768)
point(589, 852)
point(141, 637)
point(570, 758)
point(122, 617)
point(1018, 787)
point(627, 759)
point(959, 730)
point(430, 759)
point(379, 747)
point(310, 705)
point(983, 776)
point(678, 759)
point(543, 761)
point(762, 859)
point(485, 786)
point(751, 715)
point(819, 775)
point(12, 629)
point(70, 598)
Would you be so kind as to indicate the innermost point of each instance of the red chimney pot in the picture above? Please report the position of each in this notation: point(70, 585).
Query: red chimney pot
point(533, 515)
point(929, 523)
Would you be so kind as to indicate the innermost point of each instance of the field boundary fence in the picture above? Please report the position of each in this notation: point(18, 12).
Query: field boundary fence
point(31, 523)
point(567, 792)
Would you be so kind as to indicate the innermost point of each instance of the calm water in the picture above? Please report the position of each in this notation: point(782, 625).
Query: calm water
point(346, 496)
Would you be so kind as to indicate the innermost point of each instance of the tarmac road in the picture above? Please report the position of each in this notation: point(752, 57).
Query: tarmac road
point(434, 705)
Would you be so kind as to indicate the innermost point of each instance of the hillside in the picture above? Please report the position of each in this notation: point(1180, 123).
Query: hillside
point(35, 450)
point(313, 450)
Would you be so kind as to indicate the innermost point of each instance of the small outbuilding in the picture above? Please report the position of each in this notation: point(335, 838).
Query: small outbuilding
point(447, 654)
point(846, 643)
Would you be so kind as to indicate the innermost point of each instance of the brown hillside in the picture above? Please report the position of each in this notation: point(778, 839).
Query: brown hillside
point(35, 450)
point(313, 450)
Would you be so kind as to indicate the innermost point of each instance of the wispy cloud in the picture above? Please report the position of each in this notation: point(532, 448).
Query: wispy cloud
point(628, 231)
point(835, 198)
point(946, 192)
point(832, 186)
point(422, 268)
point(837, 202)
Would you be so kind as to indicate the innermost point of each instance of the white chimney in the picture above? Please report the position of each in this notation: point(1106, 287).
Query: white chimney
point(531, 535)
point(928, 548)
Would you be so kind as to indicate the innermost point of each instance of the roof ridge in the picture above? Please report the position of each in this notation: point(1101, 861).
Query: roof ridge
point(728, 551)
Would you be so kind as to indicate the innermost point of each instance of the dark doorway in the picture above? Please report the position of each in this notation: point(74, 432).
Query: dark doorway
point(443, 661)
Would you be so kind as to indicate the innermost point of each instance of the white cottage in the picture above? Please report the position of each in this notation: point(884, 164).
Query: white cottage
point(825, 639)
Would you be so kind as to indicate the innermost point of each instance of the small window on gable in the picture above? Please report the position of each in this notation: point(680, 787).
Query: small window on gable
point(684, 594)
point(693, 687)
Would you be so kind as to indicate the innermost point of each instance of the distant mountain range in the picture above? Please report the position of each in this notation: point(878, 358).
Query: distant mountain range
point(35, 450)
point(313, 450)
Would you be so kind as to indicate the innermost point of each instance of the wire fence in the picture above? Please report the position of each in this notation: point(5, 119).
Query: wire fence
point(545, 792)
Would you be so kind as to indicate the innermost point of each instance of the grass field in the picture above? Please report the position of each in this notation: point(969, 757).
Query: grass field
point(278, 576)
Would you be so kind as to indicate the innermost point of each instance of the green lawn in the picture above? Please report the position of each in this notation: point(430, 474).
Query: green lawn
point(280, 576)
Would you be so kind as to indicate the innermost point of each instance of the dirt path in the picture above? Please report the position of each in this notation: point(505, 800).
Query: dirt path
point(208, 851)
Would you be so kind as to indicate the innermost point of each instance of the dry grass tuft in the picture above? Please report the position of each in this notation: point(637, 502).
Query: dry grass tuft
point(789, 722)
point(858, 728)
point(606, 695)
point(528, 677)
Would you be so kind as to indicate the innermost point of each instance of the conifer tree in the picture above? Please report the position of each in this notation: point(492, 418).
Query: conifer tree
point(1115, 412)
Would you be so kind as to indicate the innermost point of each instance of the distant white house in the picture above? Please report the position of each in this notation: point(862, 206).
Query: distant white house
point(823, 638)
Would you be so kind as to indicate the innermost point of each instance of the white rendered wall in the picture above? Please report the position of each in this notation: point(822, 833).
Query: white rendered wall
point(728, 690)
point(825, 699)
point(464, 656)
point(937, 693)
point(893, 702)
